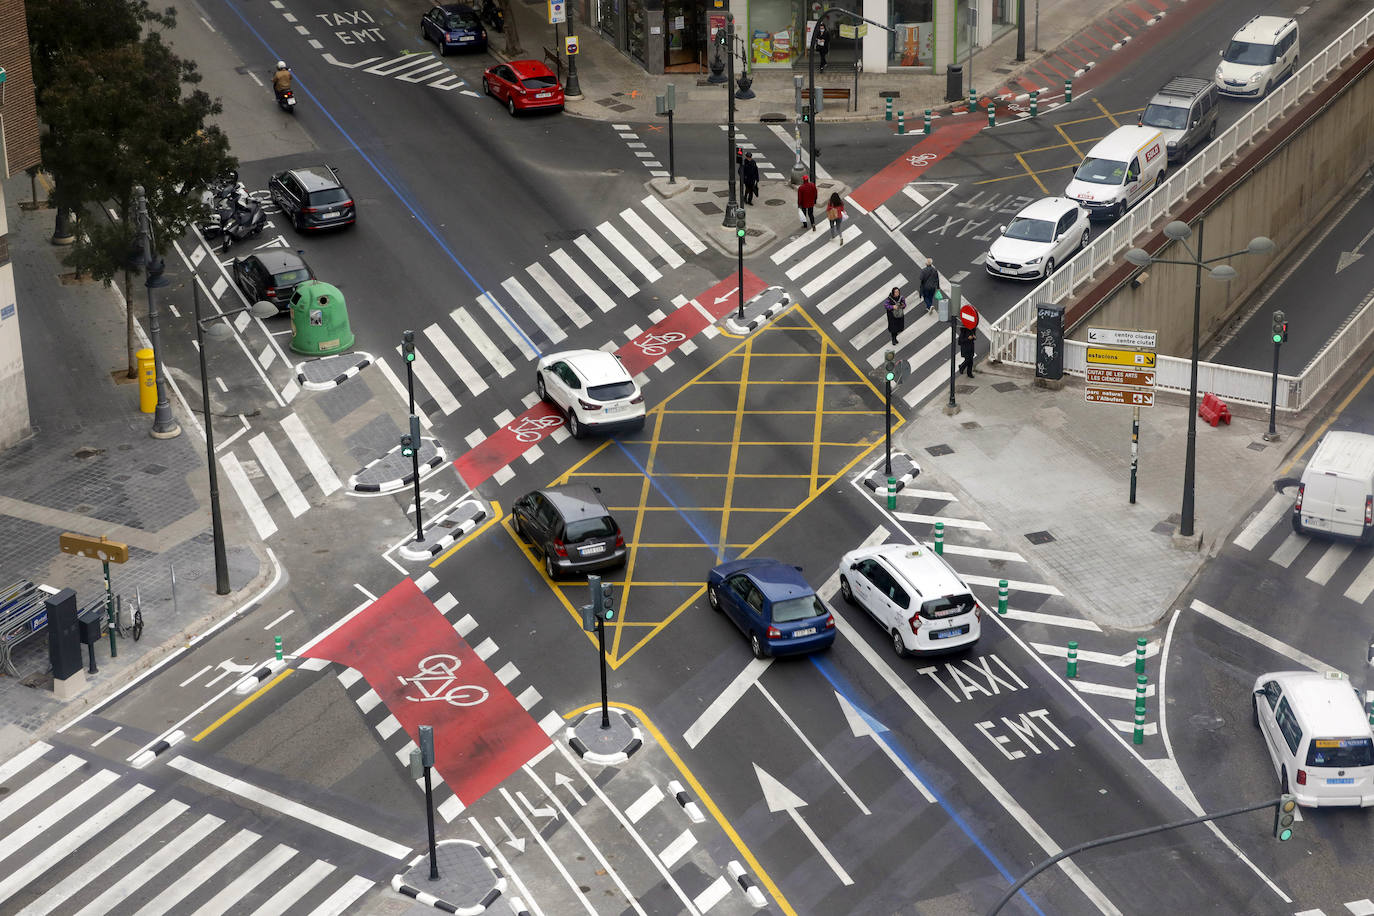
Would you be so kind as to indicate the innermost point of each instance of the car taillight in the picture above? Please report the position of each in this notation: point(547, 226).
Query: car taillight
point(310, 209)
point(830, 621)
point(559, 549)
point(1368, 509)
point(915, 622)
point(637, 399)
point(1302, 777)
point(347, 203)
point(774, 633)
point(271, 292)
point(619, 539)
point(1297, 506)
point(977, 612)
point(450, 36)
point(588, 406)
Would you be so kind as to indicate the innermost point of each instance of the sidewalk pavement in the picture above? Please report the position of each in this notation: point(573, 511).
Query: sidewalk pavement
point(92, 467)
point(616, 88)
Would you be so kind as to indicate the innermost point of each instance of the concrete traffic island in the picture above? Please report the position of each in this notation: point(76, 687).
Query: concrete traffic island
point(469, 880)
point(606, 746)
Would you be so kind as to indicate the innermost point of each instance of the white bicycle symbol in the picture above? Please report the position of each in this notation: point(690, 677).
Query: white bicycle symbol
point(440, 671)
point(654, 344)
point(922, 159)
point(531, 429)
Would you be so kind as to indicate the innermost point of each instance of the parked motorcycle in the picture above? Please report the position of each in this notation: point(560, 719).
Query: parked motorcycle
point(286, 101)
point(492, 15)
point(244, 218)
point(218, 199)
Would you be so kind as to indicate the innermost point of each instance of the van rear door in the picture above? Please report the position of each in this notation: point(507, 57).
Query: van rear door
point(1319, 501)
point(1347, 517)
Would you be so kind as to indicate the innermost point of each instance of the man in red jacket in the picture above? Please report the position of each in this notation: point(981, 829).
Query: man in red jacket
point(806, 202)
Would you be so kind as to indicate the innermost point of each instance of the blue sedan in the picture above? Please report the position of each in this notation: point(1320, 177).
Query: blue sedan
point(772, 605)
point(454, 27)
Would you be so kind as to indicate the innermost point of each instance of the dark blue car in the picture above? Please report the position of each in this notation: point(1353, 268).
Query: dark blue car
point(454, 27)
point(772, 605)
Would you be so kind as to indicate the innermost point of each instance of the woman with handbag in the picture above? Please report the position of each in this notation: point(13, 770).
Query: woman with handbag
point(895, 305)
point(834, 211)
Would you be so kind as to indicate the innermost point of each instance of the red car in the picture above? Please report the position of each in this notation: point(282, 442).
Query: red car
point(524, 85)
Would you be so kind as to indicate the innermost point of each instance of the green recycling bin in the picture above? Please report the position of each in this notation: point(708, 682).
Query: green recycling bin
point(319, 319)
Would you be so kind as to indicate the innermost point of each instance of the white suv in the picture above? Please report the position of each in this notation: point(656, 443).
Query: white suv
point(1262, 54)
point(593, 389)
point(917, 597)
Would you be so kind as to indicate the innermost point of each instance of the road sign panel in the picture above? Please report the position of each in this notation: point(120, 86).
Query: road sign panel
point(1120, 337)
point(1127, 396)
point(968, 316)
point(1107, 356)
point(1133, 378)
point(570, 45)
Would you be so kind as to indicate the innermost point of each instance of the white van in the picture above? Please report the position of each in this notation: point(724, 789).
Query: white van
point(1336, 494)
point(915, 595)
point(1260, 56)
point(1119, 170)
point(1318, 737)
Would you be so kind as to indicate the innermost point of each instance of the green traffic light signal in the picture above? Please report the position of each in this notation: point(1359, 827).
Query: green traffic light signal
point(408, 345)
point(1285, 812)
point(407, 446)
point(607, 609)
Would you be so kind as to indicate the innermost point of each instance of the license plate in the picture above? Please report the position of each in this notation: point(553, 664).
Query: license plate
point(591, 549)
point(543, 95)
point(465, 38)
point(808, 631)
point(334, 215)
point(1344, 781)
point(614, 408)
point(946, 634)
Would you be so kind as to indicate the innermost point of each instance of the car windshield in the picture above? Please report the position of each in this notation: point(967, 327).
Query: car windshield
point(291, 277)
point(585, 528)
point(612, 392)
point(540, 82)
point(1101, 171)
point(947, 606)
point(1341, 752)
point(1031, 230)
point(329, 196)
point(1168, 117)
point(1249, 52)
point(794, 609)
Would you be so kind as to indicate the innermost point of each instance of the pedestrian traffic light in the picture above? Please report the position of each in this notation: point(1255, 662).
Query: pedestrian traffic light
point(806, 114)
point(1280, 327)
point(606, 603)
point(408, 345)
point(890, 366)
point(739, 155)
point(589, 610)
point(407, 445)
point(739, 222)
point(1285, 813)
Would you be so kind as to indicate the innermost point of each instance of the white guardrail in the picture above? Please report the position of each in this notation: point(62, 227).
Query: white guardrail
point(1013, 336)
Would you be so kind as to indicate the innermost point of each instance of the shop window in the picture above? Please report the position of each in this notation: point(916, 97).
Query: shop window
point(913, 33)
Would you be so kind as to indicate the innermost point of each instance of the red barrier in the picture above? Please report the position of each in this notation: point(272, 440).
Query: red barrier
point(1214, 410)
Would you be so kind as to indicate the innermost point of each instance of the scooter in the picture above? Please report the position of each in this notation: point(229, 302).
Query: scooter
point(492, 15)
point(286, 101)
point(218, 199)
point(245, 218)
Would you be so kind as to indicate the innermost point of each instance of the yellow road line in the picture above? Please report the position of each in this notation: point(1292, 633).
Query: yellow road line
point(1029, 171)
point(1321, 430)
point(1105, 113)
point(239, 708)
point(745, 852)
point(495, 518)
point(733, 464)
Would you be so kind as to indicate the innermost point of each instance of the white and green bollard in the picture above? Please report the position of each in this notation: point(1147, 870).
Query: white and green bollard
point(1139, 736)
point(1073, 660)
point(1140, 655)
point(901, 122)
point(1141, 683)
point(1068, 89)
point(972, 99)
point(1035, 103)
point(927, 128)
point(887, 114)
point(940, 538)
point(1002, 596)
point(892, 492)
point(277, 640)
point(992, 115)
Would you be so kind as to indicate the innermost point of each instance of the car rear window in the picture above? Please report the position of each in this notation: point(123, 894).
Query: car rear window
point(290, 277)
point(947, 606)
point(612, 392)
point(456, 21)
point(540, 82)
point(1340, 752)
point(794, 609)
point(330, 196)
point(580, 530)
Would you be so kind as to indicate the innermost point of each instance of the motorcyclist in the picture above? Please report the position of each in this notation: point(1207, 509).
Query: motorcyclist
point(281, 80)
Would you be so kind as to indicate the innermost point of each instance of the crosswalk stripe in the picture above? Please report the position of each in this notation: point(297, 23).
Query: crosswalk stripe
point(584, 282)
point(149, 868)
point(64, 845)
point(479, 339)
point(248, 880)
point(506, 323)
point(252, 503)
point(1288, 551)
point(925, 387)
point(559, 296)
point(1331, 560)
point(310, 453)
point(116, 853)
point(919, 519)
point(655, 241)
point(1015, 585)
point(1110, 690)
point(277, 472)
point(22, 759)
point(1264, 520)
point(985, 553)
point(1359, 589)
point(541, 318)
point(39, 784)
point(204, 870)
point(675, 225)
point(51, 815)
point(629, 252)
point(839, 268)
point(815, 259)
point(1053, 620)
point(400, 390)
point(343, 898)
point(606, 266)
point(456, 360)
point(932, 348)
point(796, 245)
point(430, 381)
point(863, 281)
point(297, 888)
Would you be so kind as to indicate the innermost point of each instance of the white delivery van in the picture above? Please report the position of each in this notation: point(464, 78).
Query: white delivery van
point(1336, 495)
point(1318, 736)
point(1119, 170)
point(1261, 55)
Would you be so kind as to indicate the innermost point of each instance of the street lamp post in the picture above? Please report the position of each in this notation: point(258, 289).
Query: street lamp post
point(216, 519)
point(730, 91)
point(164, 425)
point(1180, 232)
point(573, 90)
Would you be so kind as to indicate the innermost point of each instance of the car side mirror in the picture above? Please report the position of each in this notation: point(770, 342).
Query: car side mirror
point(1260, 692)
point(854, 566)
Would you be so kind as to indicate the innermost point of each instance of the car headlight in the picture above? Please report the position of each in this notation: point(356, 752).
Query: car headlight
point(1218, 73)
point(1255, 77)
point(1034, 260)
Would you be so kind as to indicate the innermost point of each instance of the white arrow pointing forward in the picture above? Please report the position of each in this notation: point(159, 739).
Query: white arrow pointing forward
point(1350, 257)
point(865, 726)
point(780, 798)
point(566, 782)
point(517, 843)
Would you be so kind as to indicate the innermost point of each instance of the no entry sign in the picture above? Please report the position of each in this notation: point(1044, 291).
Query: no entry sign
point(968, 316)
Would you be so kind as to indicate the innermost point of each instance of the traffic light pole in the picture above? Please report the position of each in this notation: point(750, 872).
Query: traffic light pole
point(741, 276)
point(408, 350)
point(601, 641)
point(1279, 335)
point(730, 204)
point(887, 398)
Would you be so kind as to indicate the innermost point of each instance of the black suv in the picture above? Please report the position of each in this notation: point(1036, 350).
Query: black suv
point(571, 528)
point(313, 198)
point(271, 275)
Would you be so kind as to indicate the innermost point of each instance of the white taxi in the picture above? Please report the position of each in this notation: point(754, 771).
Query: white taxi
point(915, 595)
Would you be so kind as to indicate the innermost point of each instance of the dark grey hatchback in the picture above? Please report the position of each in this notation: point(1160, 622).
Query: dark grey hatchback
point(570, 527)
point(313, 198)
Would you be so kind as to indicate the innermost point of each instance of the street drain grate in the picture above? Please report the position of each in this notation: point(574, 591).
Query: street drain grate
point(709, 208)
point(1257, 446)
point(1163, 528)
point(622, 108)
point(1004, 387)
point(939, 450)
point(1039, 537)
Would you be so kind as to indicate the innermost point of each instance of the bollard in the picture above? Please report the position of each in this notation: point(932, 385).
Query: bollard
point(1140, 655)
point(887, 114)
point(1140, 683)
point(972, 99)
point(892, 492)
point(1035, 102)
point(901, 122)
point(1139, 736)
point(940, 538)
point(992, 115)
point(927, 124)
point(1002, 596)
point(1073, 660)
point(1068, 89)
point(277, 640)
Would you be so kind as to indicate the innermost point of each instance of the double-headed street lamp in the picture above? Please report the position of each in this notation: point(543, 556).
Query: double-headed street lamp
point(811, 75)
point(1180, 232)
point(218, 330)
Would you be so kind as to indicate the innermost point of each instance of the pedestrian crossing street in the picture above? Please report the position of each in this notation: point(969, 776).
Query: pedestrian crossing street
point(82, 839)
point(1334, 565)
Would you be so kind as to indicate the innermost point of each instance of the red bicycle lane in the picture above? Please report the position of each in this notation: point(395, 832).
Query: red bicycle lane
point(426, 674)
point(539, 422)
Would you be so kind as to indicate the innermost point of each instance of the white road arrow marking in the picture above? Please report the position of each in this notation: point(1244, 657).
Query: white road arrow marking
point(516, 843)
point(566, 782)
point(780, 798)
point(727, 296)
point(1350, 257)
point(536, 811)
point(338, 63)
point(864, 726)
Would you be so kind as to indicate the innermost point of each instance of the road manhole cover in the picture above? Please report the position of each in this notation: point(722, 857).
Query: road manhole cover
point(1040, 537)
point(939, 450)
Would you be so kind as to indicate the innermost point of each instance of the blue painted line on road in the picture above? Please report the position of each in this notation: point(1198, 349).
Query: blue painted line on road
point(387, 180)
point(845, 689)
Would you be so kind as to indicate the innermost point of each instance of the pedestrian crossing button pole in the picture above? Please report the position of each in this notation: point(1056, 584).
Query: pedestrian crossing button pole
point(410, 448)
point(421, 762)
point(949, 312)
point(664, 105)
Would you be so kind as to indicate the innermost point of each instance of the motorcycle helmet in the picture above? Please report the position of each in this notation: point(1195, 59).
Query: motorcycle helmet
point(281, 65)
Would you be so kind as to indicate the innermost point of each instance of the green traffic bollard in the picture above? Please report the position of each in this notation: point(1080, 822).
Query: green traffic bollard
point(892, 492)
point(1068, 89)
point(1140, 655)
point(1139, 736)
point(1035, 103)
point(887, 115)
point(1002, 596)
point(940, 538)
point(927, 124)
point(1141, 682)
point(1073, 660)
point(992, 115)
point(901, 123)
point(277, 640)
point(972, 100)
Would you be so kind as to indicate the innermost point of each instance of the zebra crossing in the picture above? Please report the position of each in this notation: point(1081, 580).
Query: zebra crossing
point(766, 168)
point(262, 471)
point(1336, 565)
point(82, 839)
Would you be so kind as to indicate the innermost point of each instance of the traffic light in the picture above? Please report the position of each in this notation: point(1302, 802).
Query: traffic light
point(739, 155)
point(1284, 814)
point(606, 603)
point(806, 114)
point(408, 345)
point(1280, 327)
point(739, 223)
point(890, 366)
point(407, 446)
